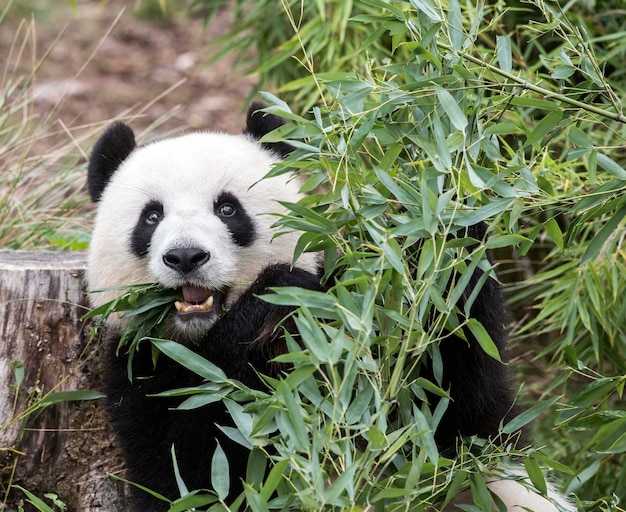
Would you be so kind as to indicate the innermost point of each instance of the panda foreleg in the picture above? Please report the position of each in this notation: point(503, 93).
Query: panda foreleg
point(242, 342)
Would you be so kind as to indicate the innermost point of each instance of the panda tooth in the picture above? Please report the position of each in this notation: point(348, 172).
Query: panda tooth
point(185, 307)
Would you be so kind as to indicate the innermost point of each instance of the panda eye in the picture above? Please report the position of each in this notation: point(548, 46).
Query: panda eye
point(153, 217)
point(226, 210)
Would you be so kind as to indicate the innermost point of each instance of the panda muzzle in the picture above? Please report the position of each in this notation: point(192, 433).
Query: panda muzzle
point(195, 300)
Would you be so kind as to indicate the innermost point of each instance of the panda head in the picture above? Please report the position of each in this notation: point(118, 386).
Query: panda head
point(193, 213)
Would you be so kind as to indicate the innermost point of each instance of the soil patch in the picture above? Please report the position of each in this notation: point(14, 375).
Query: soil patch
point(107, 62)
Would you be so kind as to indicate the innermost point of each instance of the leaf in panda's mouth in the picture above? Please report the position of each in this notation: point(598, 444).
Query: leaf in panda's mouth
point(195, 299)
point(144, 307)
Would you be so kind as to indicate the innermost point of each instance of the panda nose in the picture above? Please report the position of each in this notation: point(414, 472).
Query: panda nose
point(186, 260)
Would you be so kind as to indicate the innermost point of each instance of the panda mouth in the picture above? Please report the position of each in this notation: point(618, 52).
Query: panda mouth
point(197, 300)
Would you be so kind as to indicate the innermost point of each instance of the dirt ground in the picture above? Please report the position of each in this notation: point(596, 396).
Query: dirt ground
point(107, 61)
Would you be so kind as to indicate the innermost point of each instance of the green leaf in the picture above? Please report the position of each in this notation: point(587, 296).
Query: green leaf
point(544, 127)
point(562, 72)
point(483, 338)
point(580, 138)
point(451, 107)
point(242, 419)
point(254, 500)
point(432, 388)
point(376, 437)
point(557, 466)
point(585, 474)
point(256, 468)
point(220, 473)
point(492, 208)
point(503, 51)
point(529, 415)
point(426, 437)
point(34, 500)
point(18, 372)
point(192, 501)
point(598, 390)
point(619, 446)
point(197, 401)
point(535, 474)
point(611, 166)
point(190, 360)
point(603, 234)
point(182, 487)
point(553, 229)
point(427, 7)
point(293, 416)
point(480, 491)
point(274, 479)
point(70, 396)
point(499, 241)
point(339, 484)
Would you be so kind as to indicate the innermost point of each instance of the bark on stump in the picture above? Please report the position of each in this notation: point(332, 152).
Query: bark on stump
point(66, 446)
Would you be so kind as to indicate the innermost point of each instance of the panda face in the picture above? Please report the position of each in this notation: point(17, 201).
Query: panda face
point(192, 213)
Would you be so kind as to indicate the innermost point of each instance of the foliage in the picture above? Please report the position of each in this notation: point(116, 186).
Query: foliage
point(144, 308)
point(508, 113)
point(450, 120)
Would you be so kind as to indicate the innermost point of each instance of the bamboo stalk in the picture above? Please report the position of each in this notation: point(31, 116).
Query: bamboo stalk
point(616, 116)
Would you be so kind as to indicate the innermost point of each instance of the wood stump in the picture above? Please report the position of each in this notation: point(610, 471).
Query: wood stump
point(65, 447)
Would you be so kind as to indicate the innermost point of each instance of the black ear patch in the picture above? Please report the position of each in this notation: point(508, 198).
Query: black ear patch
point(260, 123)
point(111, 149)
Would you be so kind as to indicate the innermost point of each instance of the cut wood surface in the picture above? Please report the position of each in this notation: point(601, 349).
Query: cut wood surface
point(64, 448)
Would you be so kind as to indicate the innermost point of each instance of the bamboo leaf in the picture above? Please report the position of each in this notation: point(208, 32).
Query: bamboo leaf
point(611, 166)
point(544, 127)
point(503, 51)
point(190, 360)
point(483, 338)
point(535, 474)
point(220, 473)
point(603, 234)
point(70, 396)
point(451, 107)
point(529, 415)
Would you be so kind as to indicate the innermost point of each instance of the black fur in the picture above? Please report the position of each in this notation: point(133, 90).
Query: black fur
point(242, 341)
point(111, 149)
point(480, 386)
point(260, 123)
point(145, 228)
point(239, 223)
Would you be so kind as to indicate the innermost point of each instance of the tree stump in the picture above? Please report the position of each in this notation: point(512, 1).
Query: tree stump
point(64, 448)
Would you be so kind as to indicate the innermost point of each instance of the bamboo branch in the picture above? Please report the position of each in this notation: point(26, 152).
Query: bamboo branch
point(616, 116)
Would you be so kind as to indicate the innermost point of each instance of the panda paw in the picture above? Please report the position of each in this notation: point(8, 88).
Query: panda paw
point(282, 274)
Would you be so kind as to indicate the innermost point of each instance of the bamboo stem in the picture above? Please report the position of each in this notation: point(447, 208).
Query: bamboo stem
point(616, 116)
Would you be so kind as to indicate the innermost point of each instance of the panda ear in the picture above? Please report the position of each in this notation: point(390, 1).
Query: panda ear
point(260, 123)
point(111, 149)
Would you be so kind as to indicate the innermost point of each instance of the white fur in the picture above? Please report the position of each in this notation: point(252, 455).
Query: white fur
point(517, 497)
point(186, 174)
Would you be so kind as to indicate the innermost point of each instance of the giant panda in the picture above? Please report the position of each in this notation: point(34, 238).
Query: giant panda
point(192, 212)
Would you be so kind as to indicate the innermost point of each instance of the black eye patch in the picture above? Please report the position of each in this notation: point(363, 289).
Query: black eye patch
point(231, 212)
point(149, 219)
